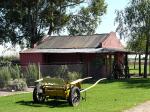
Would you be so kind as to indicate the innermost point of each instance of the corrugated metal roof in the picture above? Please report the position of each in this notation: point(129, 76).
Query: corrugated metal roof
point(86, 50)
point(91, 41)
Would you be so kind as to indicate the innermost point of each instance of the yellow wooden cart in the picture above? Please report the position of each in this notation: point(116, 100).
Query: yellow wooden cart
point(57, 88)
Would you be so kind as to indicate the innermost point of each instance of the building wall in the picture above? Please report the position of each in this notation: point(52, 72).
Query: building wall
point(100, 66)
point(85, 60)
point(29, 58)
point(74, 61)
point(67, 58)
point(112, 42)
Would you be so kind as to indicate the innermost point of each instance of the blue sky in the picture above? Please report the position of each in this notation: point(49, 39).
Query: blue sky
point(107, 24)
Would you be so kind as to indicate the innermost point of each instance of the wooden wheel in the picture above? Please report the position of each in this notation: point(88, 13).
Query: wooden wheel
point(74, 96)
point(38, 96)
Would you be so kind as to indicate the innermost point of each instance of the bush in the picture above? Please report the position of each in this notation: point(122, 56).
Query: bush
point(57, 71)
point(73, 76)
point(17, 85)
point(8, 60)
point(4, 76)
point(31, 74)
point(15, 72)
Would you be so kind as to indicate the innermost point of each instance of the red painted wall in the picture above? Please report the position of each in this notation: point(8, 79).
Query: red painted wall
point(54, 59)
point(112, 42)
point(28, 58)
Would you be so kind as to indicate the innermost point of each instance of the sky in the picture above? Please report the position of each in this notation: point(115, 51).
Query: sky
point(106, 26)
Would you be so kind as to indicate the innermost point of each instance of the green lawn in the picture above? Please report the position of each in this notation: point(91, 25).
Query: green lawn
point(136, 69)
point(109, 96)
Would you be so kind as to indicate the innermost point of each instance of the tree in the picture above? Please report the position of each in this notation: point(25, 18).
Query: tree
point(87, 19)
point(134, 22)
point(26, 21)
point(136, 44)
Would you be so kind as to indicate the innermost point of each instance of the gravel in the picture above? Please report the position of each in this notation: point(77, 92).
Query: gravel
point(7, 93)
point(144, 107)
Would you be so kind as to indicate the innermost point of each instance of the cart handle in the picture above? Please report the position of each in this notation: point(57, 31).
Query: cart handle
point(92, 85)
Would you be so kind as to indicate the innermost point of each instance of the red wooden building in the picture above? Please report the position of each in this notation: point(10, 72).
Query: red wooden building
point(94, 52)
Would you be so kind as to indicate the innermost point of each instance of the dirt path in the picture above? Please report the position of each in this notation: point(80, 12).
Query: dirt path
point(6, 93)
point(144, 107)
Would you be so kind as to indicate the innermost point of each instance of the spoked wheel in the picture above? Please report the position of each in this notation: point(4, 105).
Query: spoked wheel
point(74, 96)
point(38, 96)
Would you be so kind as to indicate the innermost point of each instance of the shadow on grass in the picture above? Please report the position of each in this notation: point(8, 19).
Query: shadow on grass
point(51, 103)
point(137, 83)
point(131, 83)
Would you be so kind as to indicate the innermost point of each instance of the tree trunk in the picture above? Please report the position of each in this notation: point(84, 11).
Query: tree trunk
point(139, 64)
point(146, 55)
point(50, 29)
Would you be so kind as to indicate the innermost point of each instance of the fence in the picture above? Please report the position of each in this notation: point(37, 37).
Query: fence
point(67, 71)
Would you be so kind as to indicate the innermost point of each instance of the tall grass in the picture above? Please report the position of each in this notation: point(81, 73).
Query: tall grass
point(31, 74)
point(15, 72)
point(5, 76)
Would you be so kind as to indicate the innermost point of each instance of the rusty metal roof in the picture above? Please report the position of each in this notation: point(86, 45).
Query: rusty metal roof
point(66, 42)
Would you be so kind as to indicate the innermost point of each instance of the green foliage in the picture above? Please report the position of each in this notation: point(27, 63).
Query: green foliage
point(57, 71)
point(17, 85)
point(7, 60)
point(137, 44)
point(134, 22)
point(5, 76)
point(31, 74)
point(13, 76)
point(87, 19)
point(82, 24)
point(62, 71)
point(73, 76)
point(15, 72)
point(25, 21)
point(21, 20)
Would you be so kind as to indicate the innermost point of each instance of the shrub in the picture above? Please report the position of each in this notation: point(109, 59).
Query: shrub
point(17, 85)
point(57, 71)
point(8, 60)
point(31, 74)
point(73, 76)
point(62, 70)
point(4, 76)
point(15, 72)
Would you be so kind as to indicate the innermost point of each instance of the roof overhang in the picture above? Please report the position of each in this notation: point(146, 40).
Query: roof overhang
point(85, 50)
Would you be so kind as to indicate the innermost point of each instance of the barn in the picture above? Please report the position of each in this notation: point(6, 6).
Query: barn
point(93, 55)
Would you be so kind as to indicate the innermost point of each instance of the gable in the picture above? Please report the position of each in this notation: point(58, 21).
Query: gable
point(112, 42)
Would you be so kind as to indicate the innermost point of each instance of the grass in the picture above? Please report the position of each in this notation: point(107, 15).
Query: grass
point(108, 96)
point(136, 69)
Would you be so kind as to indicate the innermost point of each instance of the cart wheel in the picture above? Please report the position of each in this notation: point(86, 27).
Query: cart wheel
point(38, 97)
point(74, 96)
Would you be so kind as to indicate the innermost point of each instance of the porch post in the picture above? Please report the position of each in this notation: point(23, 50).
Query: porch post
point(127, 75)
point(110, 65)
point(106, 65)
point(140, 65)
